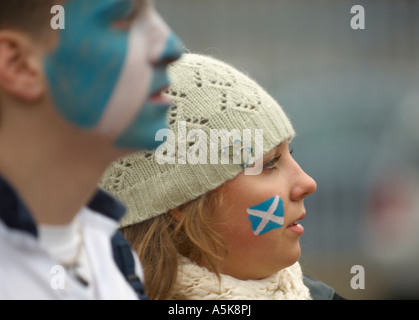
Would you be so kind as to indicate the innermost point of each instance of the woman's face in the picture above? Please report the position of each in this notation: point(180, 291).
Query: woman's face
point(256, 254)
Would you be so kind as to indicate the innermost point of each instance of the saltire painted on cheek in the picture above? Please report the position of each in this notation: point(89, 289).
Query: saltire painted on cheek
point(267, 215)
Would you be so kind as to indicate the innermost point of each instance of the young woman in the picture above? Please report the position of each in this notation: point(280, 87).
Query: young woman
point(207, 228)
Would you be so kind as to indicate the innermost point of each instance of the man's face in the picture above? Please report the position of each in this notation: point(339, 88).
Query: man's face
point(109, 68)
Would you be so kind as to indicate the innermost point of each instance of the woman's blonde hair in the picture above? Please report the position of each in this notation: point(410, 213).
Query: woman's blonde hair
point(159, 240)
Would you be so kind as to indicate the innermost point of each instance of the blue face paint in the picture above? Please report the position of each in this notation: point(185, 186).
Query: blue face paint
point(84, 72)
point(84, 69)
point(152, 117)
point(267, 215)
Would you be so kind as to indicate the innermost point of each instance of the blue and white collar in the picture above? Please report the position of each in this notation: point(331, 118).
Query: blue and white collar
point(15, 215)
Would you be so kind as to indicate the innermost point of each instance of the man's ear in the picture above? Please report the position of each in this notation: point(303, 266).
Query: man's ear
point(176, 214)
point(21, 67)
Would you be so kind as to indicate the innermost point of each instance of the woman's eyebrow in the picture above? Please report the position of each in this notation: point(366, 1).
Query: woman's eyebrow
point(276, 153)
point(268, 157)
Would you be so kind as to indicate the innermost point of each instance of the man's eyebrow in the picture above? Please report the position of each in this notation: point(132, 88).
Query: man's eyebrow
point(138, 7)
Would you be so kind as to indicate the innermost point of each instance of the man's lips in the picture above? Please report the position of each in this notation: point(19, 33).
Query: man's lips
point(158, 97)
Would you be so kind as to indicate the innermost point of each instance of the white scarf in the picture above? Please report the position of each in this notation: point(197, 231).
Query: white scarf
point(198, 283)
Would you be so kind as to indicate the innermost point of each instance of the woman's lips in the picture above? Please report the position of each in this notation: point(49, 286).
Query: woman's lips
point(296, 227)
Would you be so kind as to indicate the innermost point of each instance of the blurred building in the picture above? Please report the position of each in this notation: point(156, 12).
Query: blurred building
point(352, 96)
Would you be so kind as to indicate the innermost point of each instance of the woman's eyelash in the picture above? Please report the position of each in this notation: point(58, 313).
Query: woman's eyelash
point(271, 163)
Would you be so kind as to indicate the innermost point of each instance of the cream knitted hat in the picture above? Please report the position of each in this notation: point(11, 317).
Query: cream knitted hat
point(208, 95)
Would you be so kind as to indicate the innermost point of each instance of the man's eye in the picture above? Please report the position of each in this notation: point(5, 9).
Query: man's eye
point(133, 8)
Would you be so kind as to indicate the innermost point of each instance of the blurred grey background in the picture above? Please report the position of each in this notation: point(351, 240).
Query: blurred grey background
point(353, 97)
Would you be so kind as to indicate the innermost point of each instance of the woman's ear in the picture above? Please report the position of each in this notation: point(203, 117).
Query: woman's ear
point(21, 67)
point(176, 214)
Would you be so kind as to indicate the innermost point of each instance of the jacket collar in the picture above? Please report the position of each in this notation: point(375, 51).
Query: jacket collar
point(15, 215)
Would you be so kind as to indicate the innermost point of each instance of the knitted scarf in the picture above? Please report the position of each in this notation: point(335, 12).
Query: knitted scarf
point(198, 283)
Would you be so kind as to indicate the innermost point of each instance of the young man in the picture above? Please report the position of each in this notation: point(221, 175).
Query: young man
point(71, 102)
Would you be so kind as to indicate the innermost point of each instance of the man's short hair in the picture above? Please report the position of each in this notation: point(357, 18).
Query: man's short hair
point(29, 16)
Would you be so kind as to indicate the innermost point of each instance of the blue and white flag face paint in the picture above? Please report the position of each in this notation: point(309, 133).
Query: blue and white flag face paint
point(267, 215)
point(102, 78)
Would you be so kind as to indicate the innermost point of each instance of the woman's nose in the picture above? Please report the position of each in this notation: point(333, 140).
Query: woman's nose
point(303, 185)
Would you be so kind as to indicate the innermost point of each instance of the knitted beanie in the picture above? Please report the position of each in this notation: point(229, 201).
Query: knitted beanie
point(207, 96)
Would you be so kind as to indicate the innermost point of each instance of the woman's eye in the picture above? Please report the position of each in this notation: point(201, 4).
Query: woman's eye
point(272, 164)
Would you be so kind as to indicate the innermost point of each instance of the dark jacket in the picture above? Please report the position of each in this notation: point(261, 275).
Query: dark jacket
point(16, 216)
point(320, 290)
